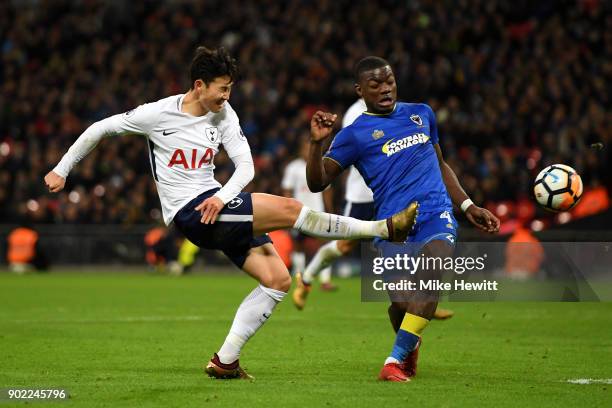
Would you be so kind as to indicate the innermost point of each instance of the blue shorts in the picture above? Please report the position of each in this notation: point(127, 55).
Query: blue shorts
point(432, 226)
point(231, 233)
point(439, 225)
point(361, 211)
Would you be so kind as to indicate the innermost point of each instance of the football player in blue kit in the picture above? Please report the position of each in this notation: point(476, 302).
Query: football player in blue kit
point(395, 147)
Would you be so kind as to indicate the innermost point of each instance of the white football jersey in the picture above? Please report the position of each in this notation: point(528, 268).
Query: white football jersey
point(294, 179)
point(182, 147)
point(357, 191)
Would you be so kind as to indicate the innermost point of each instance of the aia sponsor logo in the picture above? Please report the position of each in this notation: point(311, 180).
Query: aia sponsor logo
point(191, 160)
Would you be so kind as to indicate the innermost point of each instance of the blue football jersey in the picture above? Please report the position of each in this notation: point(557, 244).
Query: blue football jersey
point(395, 155)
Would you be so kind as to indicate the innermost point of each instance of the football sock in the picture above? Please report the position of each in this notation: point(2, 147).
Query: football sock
point(298, 262)
point(407, 337)
point(325, 275)
point(253, 312)
point(322, 259)
point(332, 226)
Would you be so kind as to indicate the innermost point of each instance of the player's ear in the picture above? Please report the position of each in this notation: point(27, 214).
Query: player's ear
point(358, 90)
point(199, 85)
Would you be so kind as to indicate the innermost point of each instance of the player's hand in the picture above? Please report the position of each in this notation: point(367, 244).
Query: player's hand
point(482, 219)
point(54, 182)
point(321, 125)
point(210, 209)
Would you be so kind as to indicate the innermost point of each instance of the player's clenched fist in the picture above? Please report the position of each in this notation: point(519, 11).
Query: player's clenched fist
point(54, 182)
point(321, 125)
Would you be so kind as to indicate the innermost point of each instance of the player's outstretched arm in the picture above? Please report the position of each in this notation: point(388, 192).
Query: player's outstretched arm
point(137, 121)
point(55, 180)
point(320, 173)
point(480, 217)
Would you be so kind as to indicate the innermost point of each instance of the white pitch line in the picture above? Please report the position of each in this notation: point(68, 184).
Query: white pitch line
point(583, 381)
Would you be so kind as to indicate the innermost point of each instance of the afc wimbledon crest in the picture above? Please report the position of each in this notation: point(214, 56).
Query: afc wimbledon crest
point(377, 134)
point(212, 133)
point(416, 119)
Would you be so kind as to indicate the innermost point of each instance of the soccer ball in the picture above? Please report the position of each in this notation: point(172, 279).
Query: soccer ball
point(558, 188)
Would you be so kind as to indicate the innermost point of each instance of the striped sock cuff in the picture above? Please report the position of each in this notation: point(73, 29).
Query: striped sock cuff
point(414, 324)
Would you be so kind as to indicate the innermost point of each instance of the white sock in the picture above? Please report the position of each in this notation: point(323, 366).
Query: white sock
point(298, 262)
point(322, 259)
point(391, 360)
point(253, 312)
point(325, 275)
point(332, 226)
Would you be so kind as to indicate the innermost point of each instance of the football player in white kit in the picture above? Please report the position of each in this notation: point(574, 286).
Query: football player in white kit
point(294, 185)
point(184, 133)
point(359, 204)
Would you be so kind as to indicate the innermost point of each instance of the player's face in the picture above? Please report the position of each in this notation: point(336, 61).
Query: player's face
point(378, 89)
point(214, 95)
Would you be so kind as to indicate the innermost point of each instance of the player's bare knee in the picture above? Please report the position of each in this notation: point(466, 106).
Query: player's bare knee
point(284, 283)
point(278, 281)
point(291, 208)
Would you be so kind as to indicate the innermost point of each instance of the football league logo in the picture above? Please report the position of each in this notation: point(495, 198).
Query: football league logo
point(234, 203)
point(377, 134)
point(416, 119)
point(212, 133)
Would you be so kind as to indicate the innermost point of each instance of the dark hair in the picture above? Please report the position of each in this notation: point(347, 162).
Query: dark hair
point(209, 64)
point(368, 64)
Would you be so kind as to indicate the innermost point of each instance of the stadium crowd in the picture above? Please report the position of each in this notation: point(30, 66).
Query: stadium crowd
point(515, 86)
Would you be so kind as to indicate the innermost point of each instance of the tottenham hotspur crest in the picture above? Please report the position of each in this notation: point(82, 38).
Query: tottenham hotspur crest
point(212, 133)
point(377, 134)
point(234, 203)
point(416, 119)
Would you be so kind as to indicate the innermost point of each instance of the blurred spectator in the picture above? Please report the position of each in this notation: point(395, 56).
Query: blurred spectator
point(162, 249)
point(24, 252)
point(516, 86)
point(524, 255)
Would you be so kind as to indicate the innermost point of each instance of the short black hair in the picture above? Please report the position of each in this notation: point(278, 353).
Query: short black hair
point(209, 64)
point(368, 64)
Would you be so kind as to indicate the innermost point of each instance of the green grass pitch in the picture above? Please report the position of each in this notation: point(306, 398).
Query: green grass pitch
point(141, 340)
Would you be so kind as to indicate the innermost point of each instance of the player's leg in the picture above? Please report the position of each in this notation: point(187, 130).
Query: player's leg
point(326, 255)
point(298, 257)
point(415, 316)
point(273, 212)
point(322, 260)
point(265, 265)
point(325, 280)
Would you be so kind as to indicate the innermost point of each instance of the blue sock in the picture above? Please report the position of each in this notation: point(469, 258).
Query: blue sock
point(405, 342)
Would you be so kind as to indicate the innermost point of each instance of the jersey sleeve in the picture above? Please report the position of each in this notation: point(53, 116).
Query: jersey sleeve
point(433, 124)
point(343, 149)
point(353, 112)
point(140, 120)
point(288, 182)
point(233, 139)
